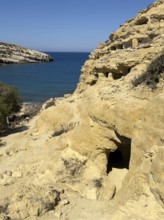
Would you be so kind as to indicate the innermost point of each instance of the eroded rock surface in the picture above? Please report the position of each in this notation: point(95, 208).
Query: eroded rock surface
point(10, 53)
point(97, 154)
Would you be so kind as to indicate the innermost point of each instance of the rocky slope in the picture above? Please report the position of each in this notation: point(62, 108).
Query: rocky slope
point(97, 154)
point(10, 53)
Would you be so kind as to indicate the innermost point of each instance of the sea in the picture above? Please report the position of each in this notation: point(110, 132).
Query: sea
point(38, 82)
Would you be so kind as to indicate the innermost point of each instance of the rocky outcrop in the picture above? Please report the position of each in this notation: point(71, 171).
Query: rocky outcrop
point(102, 147)
point(129, 51)
point(10, 53)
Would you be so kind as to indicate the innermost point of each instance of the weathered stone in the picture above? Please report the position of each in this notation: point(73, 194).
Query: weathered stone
point(105, 141)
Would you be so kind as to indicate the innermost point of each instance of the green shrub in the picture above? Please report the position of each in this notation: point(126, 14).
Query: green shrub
point(10, 102)
point(152, 76)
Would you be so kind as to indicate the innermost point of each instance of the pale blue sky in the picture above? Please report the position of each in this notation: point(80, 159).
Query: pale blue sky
point(64, 25)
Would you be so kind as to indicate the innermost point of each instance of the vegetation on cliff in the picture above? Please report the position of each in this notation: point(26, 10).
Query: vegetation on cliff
point(10, 102)
point(152, 75)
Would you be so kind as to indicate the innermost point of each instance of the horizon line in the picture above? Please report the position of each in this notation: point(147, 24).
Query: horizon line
point(66, 51)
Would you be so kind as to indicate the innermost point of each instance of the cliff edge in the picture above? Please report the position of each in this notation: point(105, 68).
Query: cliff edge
point(10, 53)
point(97, 154)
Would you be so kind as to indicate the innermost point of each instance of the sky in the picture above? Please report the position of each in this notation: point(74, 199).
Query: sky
point(64, 25)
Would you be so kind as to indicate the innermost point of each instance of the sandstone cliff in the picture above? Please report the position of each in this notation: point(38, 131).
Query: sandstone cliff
point(97, 154)
point(10, 53)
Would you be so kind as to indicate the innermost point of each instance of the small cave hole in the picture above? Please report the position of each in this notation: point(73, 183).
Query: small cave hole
point(113, 48)
point(127, 45)
point(120, 46)
point(116, 76)
point(127, 70)
point(140, 41)
point(106, 74)
point(120, 158)
point(142, 20)
point(144, 41)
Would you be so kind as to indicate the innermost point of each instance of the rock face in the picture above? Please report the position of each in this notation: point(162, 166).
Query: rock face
point(10, 53)
point(97, 154)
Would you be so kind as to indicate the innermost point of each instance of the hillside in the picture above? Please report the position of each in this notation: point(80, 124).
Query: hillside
point(97, 154)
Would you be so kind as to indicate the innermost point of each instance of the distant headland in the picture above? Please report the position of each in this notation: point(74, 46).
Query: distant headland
point(10, 54)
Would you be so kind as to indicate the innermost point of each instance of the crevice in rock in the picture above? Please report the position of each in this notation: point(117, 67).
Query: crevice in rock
point(64, 129)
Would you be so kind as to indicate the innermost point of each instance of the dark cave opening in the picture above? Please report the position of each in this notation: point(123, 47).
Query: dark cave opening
point(120, 158)
point(106, 74)
point(116, 76)
point(142, 20)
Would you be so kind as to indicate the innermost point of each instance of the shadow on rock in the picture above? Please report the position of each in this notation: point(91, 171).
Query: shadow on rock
point(14, 130)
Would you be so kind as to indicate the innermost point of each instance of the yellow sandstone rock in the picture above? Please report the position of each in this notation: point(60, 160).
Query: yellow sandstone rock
point(100, 148)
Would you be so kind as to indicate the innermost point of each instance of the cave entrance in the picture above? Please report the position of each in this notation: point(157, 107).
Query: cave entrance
point(120, 158)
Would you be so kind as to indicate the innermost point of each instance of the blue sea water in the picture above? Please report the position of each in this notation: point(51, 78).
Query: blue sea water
point(38, 82)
